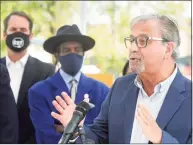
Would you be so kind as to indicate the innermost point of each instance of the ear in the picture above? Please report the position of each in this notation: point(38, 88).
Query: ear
point(56, 55)
point(31, 36)
point(169, 49)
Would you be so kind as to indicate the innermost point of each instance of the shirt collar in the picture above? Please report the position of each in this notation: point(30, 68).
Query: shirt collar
point(161, 86)
point(23, 60)
point(67, 78)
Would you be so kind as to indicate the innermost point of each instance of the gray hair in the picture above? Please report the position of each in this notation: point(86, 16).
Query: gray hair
point(169, 29)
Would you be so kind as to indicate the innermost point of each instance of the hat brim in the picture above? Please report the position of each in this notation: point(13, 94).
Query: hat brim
point(51, 43)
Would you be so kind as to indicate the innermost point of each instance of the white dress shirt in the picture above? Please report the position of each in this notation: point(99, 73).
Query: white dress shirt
point(16, 73)
point(153, 104)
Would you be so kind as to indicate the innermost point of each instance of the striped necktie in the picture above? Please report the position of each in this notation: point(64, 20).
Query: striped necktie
point(73, 89)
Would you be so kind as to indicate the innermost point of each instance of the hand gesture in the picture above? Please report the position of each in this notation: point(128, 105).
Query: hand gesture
point(65, 107)
point(149, 125)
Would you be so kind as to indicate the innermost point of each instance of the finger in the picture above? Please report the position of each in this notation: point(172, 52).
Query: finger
point(141, 122)
point(141, 115)
point(59, 128)
point(67, 99)
point(146, 112)
point(61, 102)
point(56, 116)
point(143, 112)
point(144, 108)
point(82, 122)
point(86, 98)
point(58, 107)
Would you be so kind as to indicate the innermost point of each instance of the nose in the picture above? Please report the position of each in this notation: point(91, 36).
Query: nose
point(72, 49)
point(134, 47)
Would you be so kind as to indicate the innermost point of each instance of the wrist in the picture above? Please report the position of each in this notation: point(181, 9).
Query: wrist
point(159, 139)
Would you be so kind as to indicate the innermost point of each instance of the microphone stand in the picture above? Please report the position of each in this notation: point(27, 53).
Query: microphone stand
point(82, 134)
point(68, 136)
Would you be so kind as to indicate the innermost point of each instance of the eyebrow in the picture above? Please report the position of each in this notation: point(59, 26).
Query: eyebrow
point(23, 28)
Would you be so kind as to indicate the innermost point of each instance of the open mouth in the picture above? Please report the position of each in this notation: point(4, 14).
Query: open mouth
point(133, 58)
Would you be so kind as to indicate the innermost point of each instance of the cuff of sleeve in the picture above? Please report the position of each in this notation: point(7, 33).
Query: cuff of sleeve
point(167, 138)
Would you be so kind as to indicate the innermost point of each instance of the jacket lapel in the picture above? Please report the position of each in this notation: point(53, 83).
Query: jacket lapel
point(174, 97)
point(84, 86)
point(27, 79)
point(130, 97)
point(3, 61)
point(59, 84)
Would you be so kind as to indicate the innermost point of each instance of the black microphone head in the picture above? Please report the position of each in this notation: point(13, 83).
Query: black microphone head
point(84, 107)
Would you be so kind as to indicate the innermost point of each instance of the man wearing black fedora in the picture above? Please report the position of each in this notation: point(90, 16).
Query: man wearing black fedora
point(68, 46)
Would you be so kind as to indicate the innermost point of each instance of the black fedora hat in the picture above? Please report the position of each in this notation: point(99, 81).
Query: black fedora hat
point(68, 33)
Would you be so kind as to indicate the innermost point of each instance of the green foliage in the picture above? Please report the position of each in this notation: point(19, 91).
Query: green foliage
point(48, 16)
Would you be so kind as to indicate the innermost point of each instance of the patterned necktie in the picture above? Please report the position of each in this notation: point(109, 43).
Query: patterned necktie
point(73, 89)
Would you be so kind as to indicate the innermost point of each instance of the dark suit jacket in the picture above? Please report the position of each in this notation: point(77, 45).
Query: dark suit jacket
point(115, 121)
point(35, 71)
point(43, 93)
point(8, 110)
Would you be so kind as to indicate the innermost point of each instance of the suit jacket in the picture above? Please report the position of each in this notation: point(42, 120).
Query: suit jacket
point(115, 121)
point(43, 93)
point(8, 110)
point(35, 71)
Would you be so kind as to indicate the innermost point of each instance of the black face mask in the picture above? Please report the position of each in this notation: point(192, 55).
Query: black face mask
point(17, 41)
point(71, 63)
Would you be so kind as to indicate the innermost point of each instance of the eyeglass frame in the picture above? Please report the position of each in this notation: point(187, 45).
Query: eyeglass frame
point(148, 38)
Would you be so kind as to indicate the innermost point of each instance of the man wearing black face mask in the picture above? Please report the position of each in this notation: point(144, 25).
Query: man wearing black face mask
point(24, 70)
point(68, 46)
point(17, 41)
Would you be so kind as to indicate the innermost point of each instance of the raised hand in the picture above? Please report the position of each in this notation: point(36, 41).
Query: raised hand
point(65, 107)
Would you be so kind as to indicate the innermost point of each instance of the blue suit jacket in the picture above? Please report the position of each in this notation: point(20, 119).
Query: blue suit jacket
point(115, 121)
point(44, 92)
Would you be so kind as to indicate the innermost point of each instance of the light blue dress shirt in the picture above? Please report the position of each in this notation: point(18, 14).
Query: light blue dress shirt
point(67, 78)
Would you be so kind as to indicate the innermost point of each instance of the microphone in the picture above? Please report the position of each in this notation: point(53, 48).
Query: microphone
point(78, 115)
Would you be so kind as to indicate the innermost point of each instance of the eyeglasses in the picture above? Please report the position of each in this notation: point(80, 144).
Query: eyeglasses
point(141, 40)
